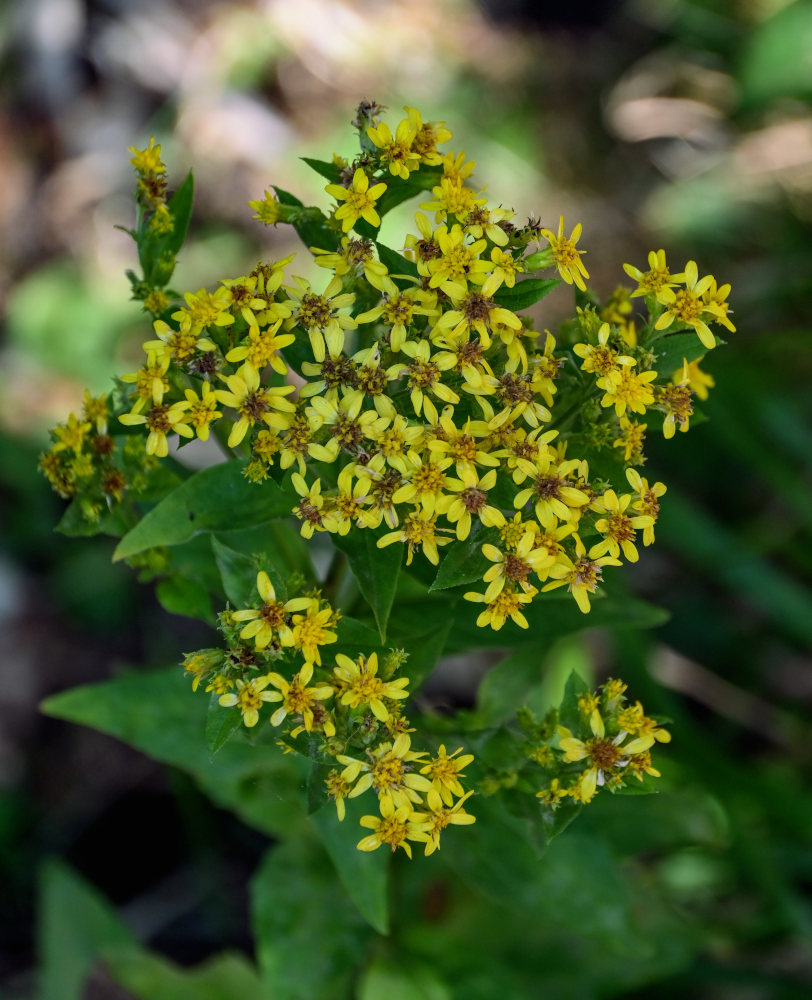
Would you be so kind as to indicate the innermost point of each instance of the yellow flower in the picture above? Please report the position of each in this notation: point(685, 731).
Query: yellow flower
point(249, 696)
point(269, 622)
point(656, 279)
point(318, 315)
point(618, 528)
point(359, 200)
point(686, 305)
point(507, 604)
point(360, 684)
point(262, 348)
point(567, 258)
point(601, 359)
point(625, 389)
point(71, 435)
point(581, 576)
point(419, 529)
point(427, 136)
point(396, 150)
point(395, 827)
point(646, 501)
point(472, 501)
point(445, 771)
point(254, 404)
point(296, 697)
point(160, 421)
point(310, 630)
point(200, 411)
point(206, 308)
point(148, 160)
point(698, 381)
point(389, 772)
point(440, 816)
point(268, 210)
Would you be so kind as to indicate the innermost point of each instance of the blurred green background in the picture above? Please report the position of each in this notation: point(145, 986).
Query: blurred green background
point(657, 123)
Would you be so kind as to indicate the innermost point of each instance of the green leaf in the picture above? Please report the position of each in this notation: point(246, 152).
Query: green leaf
point(399, 190)
point(549, 617)
point(525, 293)
point(151, 977)
point(329, 171)
point(396, 263)
point(181, 595)
point(156, 251)
point(494, 855)
point(670, 351)
point(214, 499)
point(221, 725)
point(463, 562)
point(775, 59)
point(503, 689)
point(74, 524)
point(159, 714)
point(75, 923)
point(375, 570)
point(365, 875)
point(309, 938)
point(286, 198)
point(568, 713)
point(387, 979)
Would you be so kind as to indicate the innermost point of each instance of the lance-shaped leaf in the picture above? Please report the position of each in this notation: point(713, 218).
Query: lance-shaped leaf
point(672, 350)
point(525, 293)
point(309, 939)
point(463, 562)
point(365, 875)
point(214, 499)
point(157, 252)
point(376, 570)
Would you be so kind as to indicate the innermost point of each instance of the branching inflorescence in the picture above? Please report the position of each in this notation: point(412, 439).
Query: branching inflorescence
point(410, 397)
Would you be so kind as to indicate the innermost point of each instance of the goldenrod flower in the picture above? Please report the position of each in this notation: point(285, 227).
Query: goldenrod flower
point(472, 501)
point(657, 279)
point(687, 307)
point(445, 771)
point(310, 630)
point(270, 621)
point(389, 772)
point(581, 576)
point(148, 160)
point(567, 258)
point(318, 315)
point(626, 389)
point(440, 816)
point(160, 421)
point(419, 529)
point(360, 684)
point(602, 359)
point(254, 404)
point(296, 697)
point(507, 604)
point(698, 382)
point(395, 827)
point(618, 528)
point(249, 696)
point(359, 200)
point(200, 411)
point(396, 150)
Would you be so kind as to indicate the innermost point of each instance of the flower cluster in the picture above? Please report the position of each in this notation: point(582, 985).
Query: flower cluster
point(277, 653)
point(412, 393)
point(409, 395)
point(609, 744)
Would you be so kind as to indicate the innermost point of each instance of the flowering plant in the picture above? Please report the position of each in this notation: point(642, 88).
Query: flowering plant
point(460, 480)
